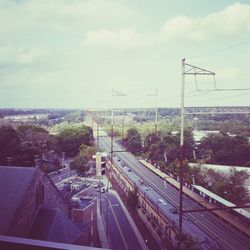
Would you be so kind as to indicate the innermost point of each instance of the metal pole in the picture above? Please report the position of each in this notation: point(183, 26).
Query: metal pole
point(97, 134)
point(112, 128)
point(156, 111)
point(123, 133)
point(111, 156)
point(181, 146)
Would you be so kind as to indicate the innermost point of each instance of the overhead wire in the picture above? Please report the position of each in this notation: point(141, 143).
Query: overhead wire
point(221, 49)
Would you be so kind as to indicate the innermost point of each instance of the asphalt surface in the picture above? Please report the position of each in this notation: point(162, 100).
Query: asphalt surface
point(120, 232)
point(62, 174)
point(223, 235)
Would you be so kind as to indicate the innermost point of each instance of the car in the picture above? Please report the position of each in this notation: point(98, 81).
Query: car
point(173, 210)
point(102, 190)
point(162, 201)
point(95, 185)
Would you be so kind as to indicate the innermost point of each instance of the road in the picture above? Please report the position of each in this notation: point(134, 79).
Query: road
point(121, 234)
point(62, 174)
point(215, 229)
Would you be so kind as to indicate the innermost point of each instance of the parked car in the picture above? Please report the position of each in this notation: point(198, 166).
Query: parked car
point(173, 210)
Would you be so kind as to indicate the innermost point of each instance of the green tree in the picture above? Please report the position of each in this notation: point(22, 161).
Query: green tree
point(10, 143)
point(229, 186)
point(224, 149)
point(37, 137)
point(70, 139)
point(80, 162)
point(133, 141)
point(132, 199)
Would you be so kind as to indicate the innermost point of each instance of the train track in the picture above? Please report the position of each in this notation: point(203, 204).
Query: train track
point(210, 224)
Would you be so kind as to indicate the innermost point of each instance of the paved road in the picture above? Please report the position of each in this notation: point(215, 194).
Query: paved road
point(122, 235)
point(216, 229)
point(120, 231)
point(62, 174)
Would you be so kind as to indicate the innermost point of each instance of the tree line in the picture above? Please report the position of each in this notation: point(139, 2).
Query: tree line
point(19, 145)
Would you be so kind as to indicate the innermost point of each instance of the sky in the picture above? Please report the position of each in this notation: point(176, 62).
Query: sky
point(72, 53)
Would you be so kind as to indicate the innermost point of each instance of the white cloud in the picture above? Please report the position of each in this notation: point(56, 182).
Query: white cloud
point(124, 38)
point(77, 47)
point(64, 15)
point(230, 23)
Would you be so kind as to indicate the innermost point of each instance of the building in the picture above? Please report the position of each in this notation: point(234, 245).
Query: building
point(32, 207)
point(100, 163)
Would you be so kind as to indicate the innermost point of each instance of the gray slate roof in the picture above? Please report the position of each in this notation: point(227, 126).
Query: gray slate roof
point(13, 183)
point(53, 225)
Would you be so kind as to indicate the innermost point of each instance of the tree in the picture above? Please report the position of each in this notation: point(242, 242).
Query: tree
point(37, 137)
point(224, 149)
point(80, 162)
point(10, 143)
point(187, 242)
point(133, 198)
point(133, 141)
point(70, 139)
point(229, 186)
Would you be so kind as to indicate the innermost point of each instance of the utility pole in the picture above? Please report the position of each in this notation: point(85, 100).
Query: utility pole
point(113, 93)
point(156, 109)
point(191, 70)
point(97, 132)
point(62, 160)
point(9, 160)
point(123, 127)
point(36, 160)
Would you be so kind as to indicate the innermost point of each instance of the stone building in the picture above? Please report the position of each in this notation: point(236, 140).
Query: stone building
point(32, 207)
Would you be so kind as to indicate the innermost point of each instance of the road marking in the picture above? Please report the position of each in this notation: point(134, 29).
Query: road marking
point(117, 223)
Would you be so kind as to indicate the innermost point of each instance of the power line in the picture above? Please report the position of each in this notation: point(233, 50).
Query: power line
point(227, 97)
point(221, 49)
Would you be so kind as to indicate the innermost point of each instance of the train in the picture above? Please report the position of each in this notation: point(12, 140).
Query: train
point(238, 218)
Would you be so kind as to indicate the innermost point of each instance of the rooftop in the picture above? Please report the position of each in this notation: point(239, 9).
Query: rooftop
point(14, 181)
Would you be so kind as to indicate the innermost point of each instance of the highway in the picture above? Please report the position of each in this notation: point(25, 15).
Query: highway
point(224, 235)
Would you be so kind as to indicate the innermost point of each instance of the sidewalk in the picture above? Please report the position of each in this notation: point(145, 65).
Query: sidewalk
point(101, 229)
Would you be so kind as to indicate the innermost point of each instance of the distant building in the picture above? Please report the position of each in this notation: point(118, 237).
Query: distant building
point(200, 134)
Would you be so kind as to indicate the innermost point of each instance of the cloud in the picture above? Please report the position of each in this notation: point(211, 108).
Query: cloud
point(124, 38)
point(85, 47)
point(232, 22)
point(64, 16)
point(228, 23)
